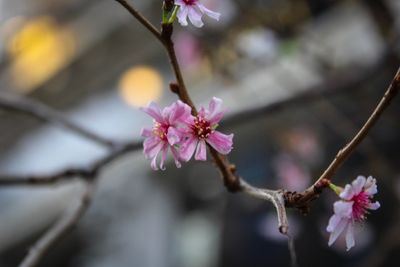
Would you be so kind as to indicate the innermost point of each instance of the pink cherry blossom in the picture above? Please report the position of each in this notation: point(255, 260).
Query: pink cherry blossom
point(194, 10)
point(165, 132)
point(356, 200)
point(201, 130)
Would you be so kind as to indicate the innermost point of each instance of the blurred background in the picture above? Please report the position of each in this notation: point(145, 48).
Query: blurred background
point(298, 78)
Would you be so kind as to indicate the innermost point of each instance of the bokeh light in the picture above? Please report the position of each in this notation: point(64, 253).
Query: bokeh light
point(140, 84)
point(38, 50)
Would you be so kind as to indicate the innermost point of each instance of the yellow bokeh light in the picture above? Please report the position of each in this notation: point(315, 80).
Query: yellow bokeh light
point(38, 51)
point(139, 85)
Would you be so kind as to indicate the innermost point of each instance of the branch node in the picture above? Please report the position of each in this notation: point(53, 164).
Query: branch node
point(174, 87)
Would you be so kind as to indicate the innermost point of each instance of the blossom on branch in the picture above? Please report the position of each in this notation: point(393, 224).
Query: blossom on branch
point(193, 10)
point(356, 200)
point(165, 132)
point(201, 130)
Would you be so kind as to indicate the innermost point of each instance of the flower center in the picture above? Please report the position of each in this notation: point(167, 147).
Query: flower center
point(160, 131)
point(201, 128)
point(190, 2)
point(361, 202)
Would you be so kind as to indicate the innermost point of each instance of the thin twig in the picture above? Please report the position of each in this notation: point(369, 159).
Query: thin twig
point(302, 199)
point(147, 24)
point(59, 229)
point(43, 112)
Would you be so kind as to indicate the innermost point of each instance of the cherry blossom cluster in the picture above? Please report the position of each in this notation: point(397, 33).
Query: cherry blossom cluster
point(176, 129)
point(355, 201)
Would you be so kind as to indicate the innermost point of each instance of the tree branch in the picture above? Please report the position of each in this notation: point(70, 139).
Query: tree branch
point(147, 24)
point(60, 228)
point(87, 174)
point(45, 113)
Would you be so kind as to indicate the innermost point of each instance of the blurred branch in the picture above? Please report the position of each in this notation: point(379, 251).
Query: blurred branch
point(36, 109)
point(60, 228)
point(87, 174)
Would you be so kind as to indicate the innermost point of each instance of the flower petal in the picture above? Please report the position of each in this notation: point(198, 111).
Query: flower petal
point(343, 208)
point(208, 12)
point(188, 147)
point(195, 17)
point(151, 146)
point(370, 186)
point(154, 111)
point(333, 222)
point(173, 136)
point(215, 112)
point(338, 230)
point(201, 151)
point(163, 156)
point(175, 155)
point(374, 206)
point(182, 15)
point(347, 192)
point(146, 132)
point(358, 184)
point(350, 236)
point(154, 160)
point(221, 142)
point(179, 112)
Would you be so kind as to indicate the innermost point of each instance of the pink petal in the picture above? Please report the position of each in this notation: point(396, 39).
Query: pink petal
point(187, 148)
point(201, 151)
point(208, 12)
point(195, 17)
point(358, 184)
point(179, 113)
point(151, 146)
point(374, 206)
point(163, 156)
point(215, 112)
point(347, 192)
point(220, 142)
point(182, 15)
point(343, 208)
point(338, 230)
point(145, 132)
point(175, 154)
point(173, 136)
point(154, 163)
point(350, 236)
point(154, 111)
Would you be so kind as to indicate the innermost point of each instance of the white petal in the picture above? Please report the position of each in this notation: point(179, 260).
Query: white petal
point(208, 12)
point(347, 192)
point(338, 230)
point(350, 236)
point(343, 208)
point(358, 184)
point(370, 186)
point(374, 206)
point(195, 17)
point(182, 15)
point(333, 222)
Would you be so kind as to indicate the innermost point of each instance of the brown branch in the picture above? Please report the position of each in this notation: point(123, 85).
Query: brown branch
point(302, 199)
point(45, 113)
point(147, 24)
point(66, 223)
